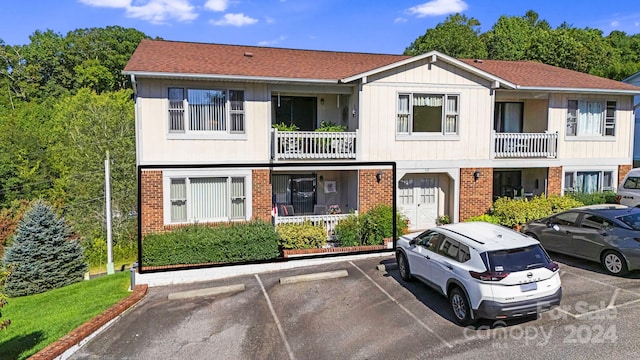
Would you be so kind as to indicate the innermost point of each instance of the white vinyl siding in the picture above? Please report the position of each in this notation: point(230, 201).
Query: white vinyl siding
point(201, 199)
point(206, 110)
point(427, 113)
point(591, 118)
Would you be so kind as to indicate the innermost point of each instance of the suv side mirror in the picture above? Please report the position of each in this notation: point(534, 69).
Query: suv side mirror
point(556, 227)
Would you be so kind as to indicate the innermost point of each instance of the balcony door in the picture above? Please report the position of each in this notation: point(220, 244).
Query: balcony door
point(508, 117)
point(294, 110)
point(418, 200)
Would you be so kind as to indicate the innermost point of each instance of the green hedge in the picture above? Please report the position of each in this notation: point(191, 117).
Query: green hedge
point(370, 228)
point(486, 218)
point(198, 244)
point(301, 236)
point(605, 197)
point(511, 212)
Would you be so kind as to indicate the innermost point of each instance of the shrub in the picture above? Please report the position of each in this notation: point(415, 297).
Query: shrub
point(3, 298)
point(512, 212)
point(370, 228)
point(285, 127)
point(301, 236)
point(95, 251)
point(198, 244)
point(443, 219)
point(605, 197)
point(330, 127)
point(42, 256)
point(9, 219)
point(486, 218)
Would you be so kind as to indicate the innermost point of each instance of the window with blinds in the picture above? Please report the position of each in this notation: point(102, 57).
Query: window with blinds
point(206, 110)
point(427, 113)
point(207, 199)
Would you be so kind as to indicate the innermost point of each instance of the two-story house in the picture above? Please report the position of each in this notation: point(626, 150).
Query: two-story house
point(461, 133)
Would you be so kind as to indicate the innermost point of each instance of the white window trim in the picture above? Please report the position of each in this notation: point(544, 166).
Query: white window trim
point(205, 134)
point(167, 175)
point(603, 136)
point(422, 135)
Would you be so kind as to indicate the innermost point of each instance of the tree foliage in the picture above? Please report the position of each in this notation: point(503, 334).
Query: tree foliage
point(527, 37)
point(3, 298)
point(458, 37)
point(43, 255)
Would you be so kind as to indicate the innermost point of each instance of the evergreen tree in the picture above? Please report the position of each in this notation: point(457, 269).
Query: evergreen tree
point(42, 256)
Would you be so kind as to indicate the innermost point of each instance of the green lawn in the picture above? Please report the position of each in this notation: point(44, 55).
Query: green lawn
point(38, 320)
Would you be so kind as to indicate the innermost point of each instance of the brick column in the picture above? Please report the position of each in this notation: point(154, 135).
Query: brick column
point(261, 194)
point(372, 192)
point(476, 196)
point(152, 216)
point(622, 172)
point(554, 181)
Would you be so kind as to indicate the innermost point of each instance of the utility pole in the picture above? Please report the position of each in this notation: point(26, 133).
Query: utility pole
point(107, 196)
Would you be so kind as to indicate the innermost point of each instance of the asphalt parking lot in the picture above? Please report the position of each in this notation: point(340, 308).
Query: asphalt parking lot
point(359, 309)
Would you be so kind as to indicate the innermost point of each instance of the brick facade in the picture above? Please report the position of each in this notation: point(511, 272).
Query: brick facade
point(372, 192)
point(261, 194)
point(623, 170)
point(151, 198)
point(476, 196)
point(554, 180)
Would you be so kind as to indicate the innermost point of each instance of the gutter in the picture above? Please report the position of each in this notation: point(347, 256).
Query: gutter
point(579, 90)
point(228, 77)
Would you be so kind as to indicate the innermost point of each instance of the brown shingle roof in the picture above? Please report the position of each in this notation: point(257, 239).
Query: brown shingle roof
point(535, 74)
point(198, 58)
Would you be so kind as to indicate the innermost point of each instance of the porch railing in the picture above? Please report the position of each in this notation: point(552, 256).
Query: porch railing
point(526, 145)
point(328, 222)
point(313, 145)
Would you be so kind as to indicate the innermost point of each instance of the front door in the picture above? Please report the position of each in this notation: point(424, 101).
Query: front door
point(418, 200)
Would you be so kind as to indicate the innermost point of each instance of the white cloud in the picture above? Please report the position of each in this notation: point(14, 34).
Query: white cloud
point(217, 5)
point(234, 20)
point(154, 11)
point(400, 20)
point(271, 42)
point(637, 23)
point(438, 7)
point(270, 20)
point(614, 24)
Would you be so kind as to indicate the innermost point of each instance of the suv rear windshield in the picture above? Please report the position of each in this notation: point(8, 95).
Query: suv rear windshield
point(512, 260)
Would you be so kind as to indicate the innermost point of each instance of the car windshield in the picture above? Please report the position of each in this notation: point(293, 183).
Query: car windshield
point(520, 259)
point(632, 220)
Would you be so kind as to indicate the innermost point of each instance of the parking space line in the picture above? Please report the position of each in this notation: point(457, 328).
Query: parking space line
point(402, 306)
point(603, 283)
point(275, 318)
point(612, 302)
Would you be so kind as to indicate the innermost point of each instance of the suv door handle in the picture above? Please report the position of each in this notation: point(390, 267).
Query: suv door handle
point(449, 266)
point(427, 256)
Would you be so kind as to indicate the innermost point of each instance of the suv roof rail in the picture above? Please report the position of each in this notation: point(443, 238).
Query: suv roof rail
point(466, 236)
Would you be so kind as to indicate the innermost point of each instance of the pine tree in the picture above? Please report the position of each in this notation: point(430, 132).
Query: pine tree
point(42, 256)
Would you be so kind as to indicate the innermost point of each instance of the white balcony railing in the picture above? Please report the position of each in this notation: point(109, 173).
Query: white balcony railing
point(328, 222)
point(313, 145)
point(526, 145)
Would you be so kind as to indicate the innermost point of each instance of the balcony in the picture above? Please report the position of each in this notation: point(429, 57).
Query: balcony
point(525, 145)
point(287, 145)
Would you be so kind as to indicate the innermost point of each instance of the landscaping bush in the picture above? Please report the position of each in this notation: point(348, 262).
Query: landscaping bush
point(301, 236)
point(95, 251)
point(3, 299)
point(605, 197)
point(512, 212)
point(198, 244)
point(486, 218)
point(42, 255)
point(370, 228)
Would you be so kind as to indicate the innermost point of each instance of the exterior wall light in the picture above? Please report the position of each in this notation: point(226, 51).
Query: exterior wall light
point(379, 176)
point(476, 175)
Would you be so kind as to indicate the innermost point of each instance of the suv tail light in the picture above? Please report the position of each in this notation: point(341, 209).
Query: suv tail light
point(488, 275)
point(552, 266)
point(618, 197)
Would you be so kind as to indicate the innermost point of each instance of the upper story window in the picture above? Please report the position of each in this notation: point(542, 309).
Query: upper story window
point(206, 110)
point(591, 118)
point(428, 114)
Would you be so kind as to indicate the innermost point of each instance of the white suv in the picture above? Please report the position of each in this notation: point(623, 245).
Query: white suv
point(486, 270)
point(629, 192)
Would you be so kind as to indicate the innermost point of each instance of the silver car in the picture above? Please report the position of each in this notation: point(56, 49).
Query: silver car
point(608, 234)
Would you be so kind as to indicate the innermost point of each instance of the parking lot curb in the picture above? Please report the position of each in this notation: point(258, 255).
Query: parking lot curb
point(218, 290)
point(58, 349)
point(386, 267)
point(314, 276)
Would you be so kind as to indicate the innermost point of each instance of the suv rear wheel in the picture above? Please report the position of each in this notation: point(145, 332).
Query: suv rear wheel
point(460, 307)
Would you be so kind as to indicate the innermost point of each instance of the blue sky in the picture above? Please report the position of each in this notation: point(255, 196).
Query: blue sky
point(374, 26)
